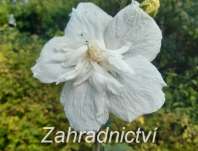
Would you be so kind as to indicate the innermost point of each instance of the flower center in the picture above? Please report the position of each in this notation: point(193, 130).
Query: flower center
point(95, 53)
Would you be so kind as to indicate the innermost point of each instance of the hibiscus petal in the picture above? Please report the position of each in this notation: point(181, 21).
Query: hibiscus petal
point(57, 57)
point(142, 93)
point(133, 25)
point(101, 80)
point(118, 65)
point(87, 22)
point(85, 109)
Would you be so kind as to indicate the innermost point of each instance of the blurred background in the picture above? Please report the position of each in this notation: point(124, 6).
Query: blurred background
point(26, 105)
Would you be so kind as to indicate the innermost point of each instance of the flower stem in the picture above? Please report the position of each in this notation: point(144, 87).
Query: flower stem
point(96, 145)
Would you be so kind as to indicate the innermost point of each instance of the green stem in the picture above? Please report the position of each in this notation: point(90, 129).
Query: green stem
point(96, 145)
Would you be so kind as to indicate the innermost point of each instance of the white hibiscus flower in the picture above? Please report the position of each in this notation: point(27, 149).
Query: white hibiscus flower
point(105, 64)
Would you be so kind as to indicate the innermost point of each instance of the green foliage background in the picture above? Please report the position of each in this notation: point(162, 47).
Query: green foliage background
point(26, 105)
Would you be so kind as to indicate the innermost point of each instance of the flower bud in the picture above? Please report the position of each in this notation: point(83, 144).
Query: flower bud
point(150, 6)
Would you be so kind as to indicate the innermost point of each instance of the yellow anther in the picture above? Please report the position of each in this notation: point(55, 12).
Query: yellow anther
point(94, 53)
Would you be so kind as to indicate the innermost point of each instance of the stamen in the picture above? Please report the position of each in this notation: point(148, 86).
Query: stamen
point(94, 53)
